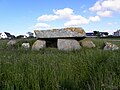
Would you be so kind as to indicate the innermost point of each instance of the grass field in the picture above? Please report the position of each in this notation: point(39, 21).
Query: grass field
point(51, 69)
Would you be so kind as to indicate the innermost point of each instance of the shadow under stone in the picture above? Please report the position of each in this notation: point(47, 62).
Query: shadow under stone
point(52, 43)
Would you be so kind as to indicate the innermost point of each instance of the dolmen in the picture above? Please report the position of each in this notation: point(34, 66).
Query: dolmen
point(63, 39)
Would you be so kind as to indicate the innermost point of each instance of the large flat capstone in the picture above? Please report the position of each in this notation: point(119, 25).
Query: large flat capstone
point(60, 33)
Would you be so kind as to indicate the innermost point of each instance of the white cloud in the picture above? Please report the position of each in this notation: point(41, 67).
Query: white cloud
point(106, 5)
point(104, 13)
point(76, 20)
point(58, 14)
point(67, 14)
point(75, 23)
point(97, 6)
point(47, 18)
point(94, 19)
point(105, 8)
point(111, 4)
point(41, 25)
point(76, 17)
point(64, 13)
point(112, 23)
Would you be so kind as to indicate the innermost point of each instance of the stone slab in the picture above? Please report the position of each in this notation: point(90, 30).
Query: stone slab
point(60, 33)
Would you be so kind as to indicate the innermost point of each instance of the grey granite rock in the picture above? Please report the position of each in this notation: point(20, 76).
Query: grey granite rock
point(110, 46)
point(38, 44)
point(26, 45)
point(88, 44)
point(11, 43)
point(68, 44)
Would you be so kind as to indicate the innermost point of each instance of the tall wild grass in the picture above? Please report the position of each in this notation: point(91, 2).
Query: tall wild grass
point(51, 69)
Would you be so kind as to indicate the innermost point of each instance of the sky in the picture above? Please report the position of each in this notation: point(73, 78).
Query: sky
point(21, 16)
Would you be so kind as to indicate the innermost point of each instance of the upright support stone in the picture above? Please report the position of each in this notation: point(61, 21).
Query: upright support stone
point(68, 44)
point(39, 44)
point(87, 44)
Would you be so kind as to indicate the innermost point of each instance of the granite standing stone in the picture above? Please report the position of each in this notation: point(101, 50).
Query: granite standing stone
point(87, 44)
point(38, 44)
point(68, 44)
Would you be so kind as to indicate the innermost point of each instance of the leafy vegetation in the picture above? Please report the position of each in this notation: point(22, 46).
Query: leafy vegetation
point(51, 69)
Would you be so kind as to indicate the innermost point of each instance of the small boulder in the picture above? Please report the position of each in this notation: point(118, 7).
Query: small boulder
point(110, 46)
point(88, 44)
point(68, 44)
point(38, 44)
point(26, 45)
point(11, 43)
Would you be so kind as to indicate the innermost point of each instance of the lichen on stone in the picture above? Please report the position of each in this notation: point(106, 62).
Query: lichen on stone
point(79, 30)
